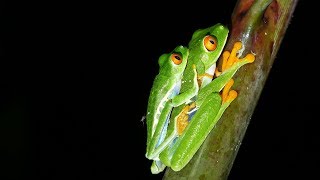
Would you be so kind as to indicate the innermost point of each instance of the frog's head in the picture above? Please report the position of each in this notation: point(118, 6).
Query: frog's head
point(207, 44)
point(174, 62)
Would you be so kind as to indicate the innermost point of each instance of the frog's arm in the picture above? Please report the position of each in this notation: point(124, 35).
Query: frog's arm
point(231, 63)
point(205, 47)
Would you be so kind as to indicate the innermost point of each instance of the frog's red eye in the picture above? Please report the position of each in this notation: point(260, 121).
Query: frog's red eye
point(176, 58)
point(210, 43)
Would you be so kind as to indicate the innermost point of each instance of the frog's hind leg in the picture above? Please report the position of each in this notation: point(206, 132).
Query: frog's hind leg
point(180, 152)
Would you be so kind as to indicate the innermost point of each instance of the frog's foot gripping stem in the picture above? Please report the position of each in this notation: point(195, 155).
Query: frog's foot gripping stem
point(182, 119)
point(228, 95)
point(230, 59)
point(230, 64)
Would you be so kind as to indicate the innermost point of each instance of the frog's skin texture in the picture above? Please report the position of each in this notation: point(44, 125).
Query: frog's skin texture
point(189, 130)
point(179, 122)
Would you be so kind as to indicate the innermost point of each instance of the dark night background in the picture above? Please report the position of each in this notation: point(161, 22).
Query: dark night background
point(75, 78)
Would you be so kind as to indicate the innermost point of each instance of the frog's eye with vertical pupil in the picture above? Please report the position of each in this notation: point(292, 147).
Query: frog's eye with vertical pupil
point(176, 58)
point(210, 42)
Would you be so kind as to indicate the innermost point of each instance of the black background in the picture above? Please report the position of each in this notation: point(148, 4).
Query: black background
point(75, 78)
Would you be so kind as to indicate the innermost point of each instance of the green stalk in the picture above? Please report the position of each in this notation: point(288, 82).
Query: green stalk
point(260, 25)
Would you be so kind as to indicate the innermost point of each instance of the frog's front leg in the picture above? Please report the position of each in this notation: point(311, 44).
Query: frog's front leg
point(231, 63)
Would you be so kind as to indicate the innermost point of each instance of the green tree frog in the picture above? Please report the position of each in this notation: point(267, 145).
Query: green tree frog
point(166, 86)
point(195, 120)
point(205, 50)
point(177, 134)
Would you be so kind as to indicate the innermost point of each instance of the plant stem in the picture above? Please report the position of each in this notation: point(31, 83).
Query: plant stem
point(260, 26)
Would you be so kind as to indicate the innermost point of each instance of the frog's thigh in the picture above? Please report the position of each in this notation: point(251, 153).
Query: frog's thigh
point(196, 132)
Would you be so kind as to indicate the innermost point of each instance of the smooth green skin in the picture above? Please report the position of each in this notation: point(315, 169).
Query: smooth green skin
point(176, 151)
point(162, 90)
point(209, 110)
point(203, 60)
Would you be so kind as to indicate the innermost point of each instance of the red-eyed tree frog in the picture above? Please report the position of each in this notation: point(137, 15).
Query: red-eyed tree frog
point(166, 86)
point(199, 103)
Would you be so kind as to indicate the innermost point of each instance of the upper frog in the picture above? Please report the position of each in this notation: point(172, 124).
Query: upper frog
point(205, 47)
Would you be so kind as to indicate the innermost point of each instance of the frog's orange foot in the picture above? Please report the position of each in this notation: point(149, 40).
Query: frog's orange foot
point(229, 59)
point(182, 119)
point(227, 94)
point(249, 57)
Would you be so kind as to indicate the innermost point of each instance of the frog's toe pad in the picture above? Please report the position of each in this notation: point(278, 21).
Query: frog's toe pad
point(250, 57)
